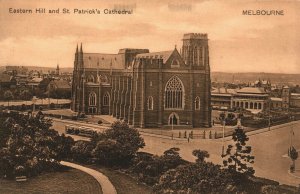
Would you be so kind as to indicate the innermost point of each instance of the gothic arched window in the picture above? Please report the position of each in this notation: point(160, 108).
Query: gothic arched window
point(197, 103)
point(104, 79)
point(90, 78)
point(174, 93)
point(92, 99)
point(150, 103)
point(106, 99)
point(175, 63)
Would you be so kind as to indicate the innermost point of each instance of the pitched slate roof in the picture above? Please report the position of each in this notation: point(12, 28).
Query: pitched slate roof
point(165, 55)
point(223, 91)
point(61, 84)
point(105, 61)
point(251, 90)
point(36, 79)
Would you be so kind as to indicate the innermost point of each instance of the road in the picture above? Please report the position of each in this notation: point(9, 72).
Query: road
point(268, 147)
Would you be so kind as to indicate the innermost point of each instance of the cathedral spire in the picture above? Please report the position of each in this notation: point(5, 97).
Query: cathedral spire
point(80, 47)
point(77, 48)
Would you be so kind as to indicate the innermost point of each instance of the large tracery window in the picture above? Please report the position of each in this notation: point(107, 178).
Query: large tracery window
point(92, 99)
point(174, 94)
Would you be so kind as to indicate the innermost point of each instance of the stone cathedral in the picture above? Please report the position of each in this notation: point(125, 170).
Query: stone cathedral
point(146, 89)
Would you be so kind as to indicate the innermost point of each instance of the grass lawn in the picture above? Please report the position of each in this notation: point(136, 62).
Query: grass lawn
point(123, 183)
point(71, 181)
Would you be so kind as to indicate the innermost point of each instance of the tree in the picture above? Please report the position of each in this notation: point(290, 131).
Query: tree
point(294, 156)
point(239, 158)
point(118, 144)
point(202, 177)
point(32, 146)
point(8, 95)
point(201, 155)
point(150, 167)
point(82, 151)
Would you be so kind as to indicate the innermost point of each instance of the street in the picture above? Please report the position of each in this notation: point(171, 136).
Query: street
point(269, 148)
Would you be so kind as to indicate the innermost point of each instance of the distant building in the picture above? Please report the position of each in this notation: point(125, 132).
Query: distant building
point(222, 98)
point(265, 84)
point(295, 100)
point(14, 70)
point(253, 99)
point(22, 80)
point(286, 96)
point(34, 82)
point(7, 81)
point(276, 103)
point(59, 89)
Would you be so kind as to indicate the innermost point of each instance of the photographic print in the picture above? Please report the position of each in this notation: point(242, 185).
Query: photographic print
point(136, 96)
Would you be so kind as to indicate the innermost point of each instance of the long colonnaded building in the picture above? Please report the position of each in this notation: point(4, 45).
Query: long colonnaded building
point(146, 89)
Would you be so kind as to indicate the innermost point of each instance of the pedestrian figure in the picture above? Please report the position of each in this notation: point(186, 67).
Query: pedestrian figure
point(184, 134)
point(192, 134)
point(209, 134)
point(188, 139)
point(179, 134)
point(204, 134)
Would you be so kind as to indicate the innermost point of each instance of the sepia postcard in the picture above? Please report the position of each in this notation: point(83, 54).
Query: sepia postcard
point(137, 96)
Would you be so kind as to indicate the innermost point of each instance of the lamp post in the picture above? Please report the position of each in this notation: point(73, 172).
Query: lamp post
point(223, 140)
point(291, 134)
point(223, 120)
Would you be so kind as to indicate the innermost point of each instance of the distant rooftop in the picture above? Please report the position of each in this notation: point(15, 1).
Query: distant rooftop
point(252, 90)
point(223, 91)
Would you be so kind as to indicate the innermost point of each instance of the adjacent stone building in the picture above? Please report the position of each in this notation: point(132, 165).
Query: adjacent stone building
point(158, 89)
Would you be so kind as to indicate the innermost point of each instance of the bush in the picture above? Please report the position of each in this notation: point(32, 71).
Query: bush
point(196, 178)
point(81, 151)
point(117, 145)
point(31, 147)
point(149, 168)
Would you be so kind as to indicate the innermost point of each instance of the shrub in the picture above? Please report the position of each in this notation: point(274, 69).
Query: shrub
point(118, 144)
point(31, 147)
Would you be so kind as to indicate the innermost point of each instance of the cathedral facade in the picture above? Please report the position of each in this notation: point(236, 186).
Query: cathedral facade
point(146, 89)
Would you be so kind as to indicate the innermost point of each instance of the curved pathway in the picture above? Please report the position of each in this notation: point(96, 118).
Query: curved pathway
point(107, 187)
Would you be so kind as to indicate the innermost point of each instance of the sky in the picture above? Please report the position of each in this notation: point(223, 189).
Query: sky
point(237, 42)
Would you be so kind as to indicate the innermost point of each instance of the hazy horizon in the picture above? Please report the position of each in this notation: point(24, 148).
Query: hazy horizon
point(238, 43)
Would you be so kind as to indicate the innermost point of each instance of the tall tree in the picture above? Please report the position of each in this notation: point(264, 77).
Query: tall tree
point(238, 157)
